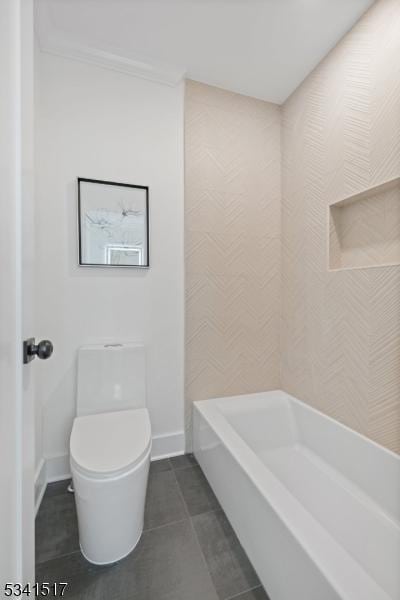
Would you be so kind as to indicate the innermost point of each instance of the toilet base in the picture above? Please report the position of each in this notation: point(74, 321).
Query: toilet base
point(101, 564)
point(110, 512)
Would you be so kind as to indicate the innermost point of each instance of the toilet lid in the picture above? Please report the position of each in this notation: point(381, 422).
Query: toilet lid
point(109, 442)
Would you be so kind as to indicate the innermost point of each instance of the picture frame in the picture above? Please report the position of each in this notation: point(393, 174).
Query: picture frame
point(113, 224)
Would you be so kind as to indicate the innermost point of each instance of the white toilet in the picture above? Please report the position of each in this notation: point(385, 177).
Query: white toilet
point(110, 449)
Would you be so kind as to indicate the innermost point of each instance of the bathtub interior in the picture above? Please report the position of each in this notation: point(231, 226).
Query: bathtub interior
point(348, 484)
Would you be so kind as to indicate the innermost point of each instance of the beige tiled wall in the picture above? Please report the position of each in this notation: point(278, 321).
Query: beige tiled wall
point(330, 338)
point(232, 242)
point(341, 135)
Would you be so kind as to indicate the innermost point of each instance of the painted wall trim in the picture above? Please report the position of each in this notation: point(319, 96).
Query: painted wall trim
point(111, 58)
point(169, 444)
point(57, 468)
point(40, 483)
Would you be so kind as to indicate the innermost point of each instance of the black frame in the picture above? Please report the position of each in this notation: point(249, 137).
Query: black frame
point(130, 185)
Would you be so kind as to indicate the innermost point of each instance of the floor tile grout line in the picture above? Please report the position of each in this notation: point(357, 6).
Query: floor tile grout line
point(197, 541)
point(78, 551)
point(219, 507)
point(165, 525)
point(255, 587)
point(187, 467)
point(204, 512)
point(185, 506)
point(191, 517)
point(184, 501)
point(245, 591)
point(43, 562)
point(207, 512)
point(194, 465)
point(203, 556)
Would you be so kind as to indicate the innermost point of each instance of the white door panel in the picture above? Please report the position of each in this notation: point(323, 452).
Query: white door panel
point(16, 292)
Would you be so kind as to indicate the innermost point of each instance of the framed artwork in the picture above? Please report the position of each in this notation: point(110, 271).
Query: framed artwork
point(113, 222)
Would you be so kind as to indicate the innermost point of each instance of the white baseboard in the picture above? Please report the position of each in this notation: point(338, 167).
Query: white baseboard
point(57, 468)
point(169, 444)
point(40, 483)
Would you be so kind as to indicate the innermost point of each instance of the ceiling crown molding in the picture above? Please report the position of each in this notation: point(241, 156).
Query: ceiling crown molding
point(58, 43)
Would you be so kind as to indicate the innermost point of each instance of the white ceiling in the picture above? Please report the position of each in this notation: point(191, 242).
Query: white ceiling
point(261, 48)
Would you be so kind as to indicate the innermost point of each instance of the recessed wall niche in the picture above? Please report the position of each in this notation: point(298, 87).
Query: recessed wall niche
point(364, 229)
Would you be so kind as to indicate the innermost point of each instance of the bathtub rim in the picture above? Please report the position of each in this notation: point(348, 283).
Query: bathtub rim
point(332, 560)
point(304, 405)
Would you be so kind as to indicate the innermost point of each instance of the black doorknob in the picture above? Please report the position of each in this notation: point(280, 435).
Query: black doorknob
point(43, 349)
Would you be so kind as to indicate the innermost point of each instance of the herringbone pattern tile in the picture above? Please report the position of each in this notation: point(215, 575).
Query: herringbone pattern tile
point(340, 338)
point(262, 308)
point(232, 244)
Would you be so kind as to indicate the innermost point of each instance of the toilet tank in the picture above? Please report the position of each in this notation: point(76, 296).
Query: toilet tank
point(111, 377)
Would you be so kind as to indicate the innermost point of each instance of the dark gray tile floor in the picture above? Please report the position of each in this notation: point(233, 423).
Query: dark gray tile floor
point(188, 550)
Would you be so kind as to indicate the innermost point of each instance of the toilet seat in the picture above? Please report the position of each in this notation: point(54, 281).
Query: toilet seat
point(106, 445)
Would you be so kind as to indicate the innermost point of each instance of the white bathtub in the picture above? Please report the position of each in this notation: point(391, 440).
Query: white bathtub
point(315, 505)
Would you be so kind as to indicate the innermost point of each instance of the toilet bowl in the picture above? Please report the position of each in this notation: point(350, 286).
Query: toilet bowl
point(110, 448)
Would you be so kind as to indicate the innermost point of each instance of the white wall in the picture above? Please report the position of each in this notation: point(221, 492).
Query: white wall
point(97, 123)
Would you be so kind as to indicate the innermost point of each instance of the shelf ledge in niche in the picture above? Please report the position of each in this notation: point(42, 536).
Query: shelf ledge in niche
point(364, 229)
